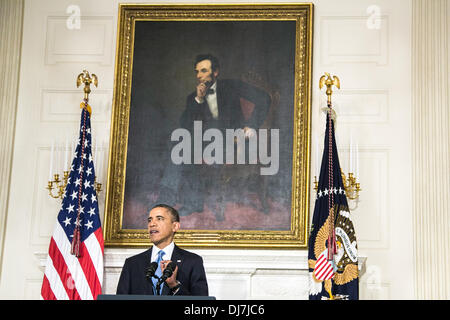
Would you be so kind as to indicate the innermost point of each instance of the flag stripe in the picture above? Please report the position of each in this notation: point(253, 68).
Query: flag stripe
point(55, 283)
point(321, 263)
point(56, 286)
point(320, 270)
point(72, 263)
point(46, 291)
point(89, 269)
point(323, 270)
point(321, 274)
point(329, 275)
point(99, 235)
point(326, 272)
point(94, 245)
point(62, 271)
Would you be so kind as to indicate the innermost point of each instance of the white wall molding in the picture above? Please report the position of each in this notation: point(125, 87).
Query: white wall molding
point(356, 106)
point(91, 43)
point(11, 19)
point(348, 39)
point(431, 144)
point(57, 105)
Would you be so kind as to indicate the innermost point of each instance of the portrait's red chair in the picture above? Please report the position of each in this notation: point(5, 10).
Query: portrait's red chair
point(244, 179)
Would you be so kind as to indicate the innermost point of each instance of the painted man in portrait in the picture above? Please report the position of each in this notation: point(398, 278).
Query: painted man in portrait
point(221, 104)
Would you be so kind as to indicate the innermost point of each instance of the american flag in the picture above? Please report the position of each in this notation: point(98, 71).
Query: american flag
point(74, 268)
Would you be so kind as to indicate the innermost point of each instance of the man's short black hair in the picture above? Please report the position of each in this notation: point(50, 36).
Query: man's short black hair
point(214, 61)
point(173, 211)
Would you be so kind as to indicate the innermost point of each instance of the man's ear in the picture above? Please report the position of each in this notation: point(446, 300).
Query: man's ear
point(175, 226)
point(216, 73)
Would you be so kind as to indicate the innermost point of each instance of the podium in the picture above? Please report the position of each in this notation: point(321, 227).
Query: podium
point(150, 297)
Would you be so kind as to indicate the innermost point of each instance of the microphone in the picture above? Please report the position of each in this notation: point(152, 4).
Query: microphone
point(168, 271)
point(151, 271)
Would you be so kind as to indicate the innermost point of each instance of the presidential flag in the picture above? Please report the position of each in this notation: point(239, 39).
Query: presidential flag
point(74, 268)
point(332, 247)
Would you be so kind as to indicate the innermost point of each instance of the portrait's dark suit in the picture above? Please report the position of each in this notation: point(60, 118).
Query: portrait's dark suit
point(229, 94)
point(201, 181)
point(191, 274)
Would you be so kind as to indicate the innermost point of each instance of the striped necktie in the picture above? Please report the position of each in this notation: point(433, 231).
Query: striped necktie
point(158, 272)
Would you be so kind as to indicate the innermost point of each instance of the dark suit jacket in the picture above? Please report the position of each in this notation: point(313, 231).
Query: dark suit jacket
point(191, 274)
point(196, 181)
point(229, 93)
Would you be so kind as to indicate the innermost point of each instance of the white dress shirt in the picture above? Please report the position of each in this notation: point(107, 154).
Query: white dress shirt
point(166, 256)
point(211, 99)
point(167, 252)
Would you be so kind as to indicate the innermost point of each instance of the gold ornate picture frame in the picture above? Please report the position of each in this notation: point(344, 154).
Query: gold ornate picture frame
point(265, 46)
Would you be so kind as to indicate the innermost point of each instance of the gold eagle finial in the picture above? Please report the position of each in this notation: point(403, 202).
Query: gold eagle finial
point(328, 81)
point(87, 79)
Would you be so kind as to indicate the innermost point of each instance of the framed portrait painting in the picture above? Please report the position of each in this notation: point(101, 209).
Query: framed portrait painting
point(211, 115)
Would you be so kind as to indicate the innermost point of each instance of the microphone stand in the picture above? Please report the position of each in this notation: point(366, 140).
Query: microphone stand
point(164, 277)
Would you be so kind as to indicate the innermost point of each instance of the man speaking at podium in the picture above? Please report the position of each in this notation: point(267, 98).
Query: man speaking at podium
point(164, 266)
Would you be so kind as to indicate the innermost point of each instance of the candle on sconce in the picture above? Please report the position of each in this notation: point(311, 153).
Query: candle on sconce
point(66, 154)
point(72, 152)
point(95, 155)
point(317, 162)
point(52, 148)
point(57, 157)
point(350, 169)
point(99, 168)
point(357, 161)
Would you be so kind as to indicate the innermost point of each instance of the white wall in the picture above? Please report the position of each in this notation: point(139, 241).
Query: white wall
point(366, 43)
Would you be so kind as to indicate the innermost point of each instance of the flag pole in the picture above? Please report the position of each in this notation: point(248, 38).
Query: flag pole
point(331, 233)
point(332, 249)
point(329, 82)
point(86, 79)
